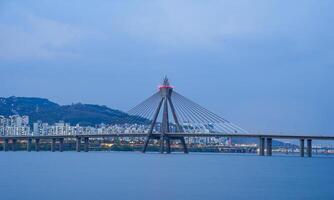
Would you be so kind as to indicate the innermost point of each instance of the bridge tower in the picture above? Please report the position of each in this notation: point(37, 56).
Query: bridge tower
point(165, 105)
point(167, 112)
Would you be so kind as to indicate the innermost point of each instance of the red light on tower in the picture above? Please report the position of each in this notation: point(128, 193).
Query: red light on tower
point(165, 84)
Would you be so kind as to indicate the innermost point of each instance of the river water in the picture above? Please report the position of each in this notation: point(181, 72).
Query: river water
point(129, 175)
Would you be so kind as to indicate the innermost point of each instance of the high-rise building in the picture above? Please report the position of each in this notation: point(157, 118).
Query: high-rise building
point(25, 120)
point(37, 127)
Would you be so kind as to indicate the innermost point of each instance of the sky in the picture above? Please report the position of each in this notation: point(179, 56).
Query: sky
point(266, 65)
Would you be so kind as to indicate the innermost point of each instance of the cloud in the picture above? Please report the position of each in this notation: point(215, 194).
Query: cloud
point(37, 38)
point(116, 29)
point(184, 23)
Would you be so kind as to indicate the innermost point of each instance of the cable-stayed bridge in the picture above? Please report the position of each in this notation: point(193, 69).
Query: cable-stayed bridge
point(168, 117)
point(167, 112)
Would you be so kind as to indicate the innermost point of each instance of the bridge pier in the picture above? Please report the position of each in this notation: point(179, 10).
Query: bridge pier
point(261, 146)
point(29, 144)
point(183, 142)
point(5, 144)
point(78, 144)
point(162, 144)
point(309, 148)
point(86, 144)
point(168, 145)
point(269, 146)
point(14, 143)
point(302, 148)
point(53, 144)
point(36, 144)
point(61, 144)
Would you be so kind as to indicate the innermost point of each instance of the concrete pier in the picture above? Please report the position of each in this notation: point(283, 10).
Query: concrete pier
point(261, 146)
point(36, 144)
point(309, 148)
point(269, 146)
point(168, 145)
point(78, 144)
point(5, 144)
point(302, 148)
point(61, 144)
point(14, 144)
point(184, 145)
point(86, 144)
point(29, 141)
point(53, 144)
point(162, 144)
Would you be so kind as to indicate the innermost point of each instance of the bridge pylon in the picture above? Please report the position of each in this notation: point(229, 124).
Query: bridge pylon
point(167, 112)
point(165, 106)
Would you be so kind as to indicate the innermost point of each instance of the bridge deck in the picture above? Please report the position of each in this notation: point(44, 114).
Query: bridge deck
point(275, 136)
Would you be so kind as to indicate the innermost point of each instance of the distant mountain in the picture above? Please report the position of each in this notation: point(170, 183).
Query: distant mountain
point(50, 112)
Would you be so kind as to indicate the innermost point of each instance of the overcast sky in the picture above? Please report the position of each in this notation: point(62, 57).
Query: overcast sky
point(264, 65)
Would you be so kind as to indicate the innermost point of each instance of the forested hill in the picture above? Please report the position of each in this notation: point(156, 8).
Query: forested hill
point(50, 112)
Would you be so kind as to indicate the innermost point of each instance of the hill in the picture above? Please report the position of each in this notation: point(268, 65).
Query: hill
point(50, 112)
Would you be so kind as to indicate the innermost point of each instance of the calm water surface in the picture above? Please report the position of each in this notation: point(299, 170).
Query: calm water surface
point(128, 175)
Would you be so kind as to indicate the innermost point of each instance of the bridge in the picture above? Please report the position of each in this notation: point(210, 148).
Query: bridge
point(265, 140)
point(168, 117)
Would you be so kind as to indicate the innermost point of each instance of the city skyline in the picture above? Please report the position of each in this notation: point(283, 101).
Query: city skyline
point(264, 69)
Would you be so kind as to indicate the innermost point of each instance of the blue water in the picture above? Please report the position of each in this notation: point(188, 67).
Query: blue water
point(126, 175)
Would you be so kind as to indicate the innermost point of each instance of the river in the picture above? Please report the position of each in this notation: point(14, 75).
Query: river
point(131, 175)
